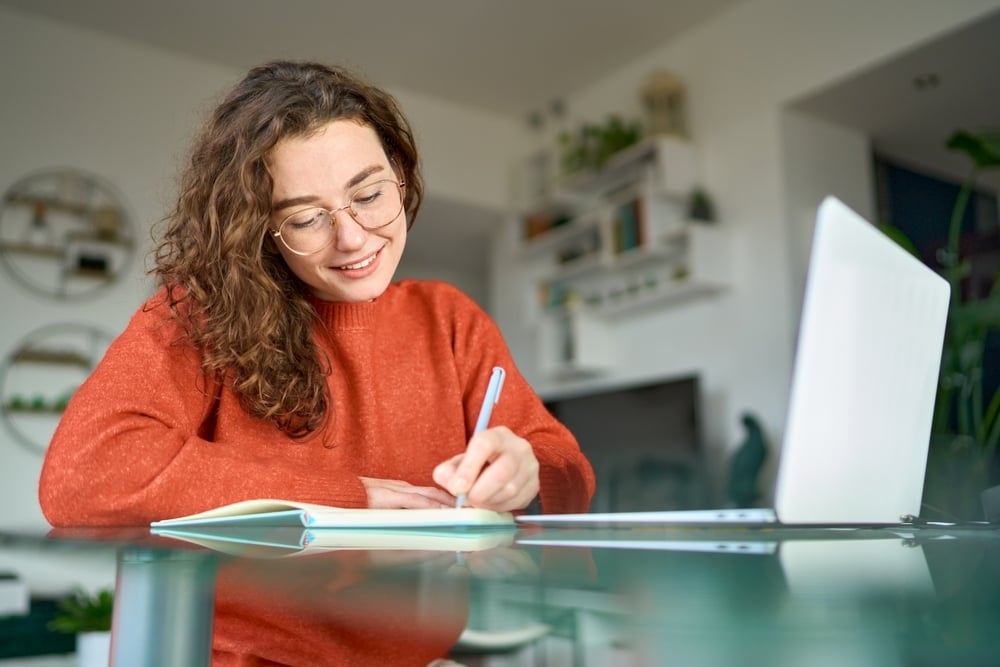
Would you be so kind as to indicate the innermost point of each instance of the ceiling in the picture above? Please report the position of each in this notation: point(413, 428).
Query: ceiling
point(515, 57)
point(911, 104)
point(510, 56)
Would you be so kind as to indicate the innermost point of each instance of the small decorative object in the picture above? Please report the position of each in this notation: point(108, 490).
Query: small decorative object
point(107, 223)
point(663, 98)
point(88, 616)
point(39, 233)
point(745, 465)
point(700, 206)
point(991, 504)
point(532, 181)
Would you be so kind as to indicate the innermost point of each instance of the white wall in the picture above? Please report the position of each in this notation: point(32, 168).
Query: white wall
point(101, 106)
point(820, 158)
point(741, 71)
point(75, 98)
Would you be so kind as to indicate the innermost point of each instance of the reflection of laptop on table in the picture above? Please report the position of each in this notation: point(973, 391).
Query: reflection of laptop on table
point(810, 560)
point(863, 389)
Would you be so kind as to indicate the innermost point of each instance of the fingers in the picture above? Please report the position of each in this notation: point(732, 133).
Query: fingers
point(500, 563)
point(392, 493)
point(481, 450)
point(445, 470)
point(498, 484)
point(498, 471)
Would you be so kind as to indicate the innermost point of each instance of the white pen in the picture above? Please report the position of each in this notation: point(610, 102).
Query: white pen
point(485, 411)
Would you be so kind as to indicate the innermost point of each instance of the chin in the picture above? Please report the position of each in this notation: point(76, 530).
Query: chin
point(354, 294)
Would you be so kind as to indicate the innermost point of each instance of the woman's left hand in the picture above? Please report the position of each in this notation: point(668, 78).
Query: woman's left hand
point(497, 471)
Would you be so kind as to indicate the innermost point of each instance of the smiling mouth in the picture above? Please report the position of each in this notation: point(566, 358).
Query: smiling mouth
point(362, 264)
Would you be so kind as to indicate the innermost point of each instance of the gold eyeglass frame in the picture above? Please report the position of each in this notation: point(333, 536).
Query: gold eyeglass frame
point(401, 185)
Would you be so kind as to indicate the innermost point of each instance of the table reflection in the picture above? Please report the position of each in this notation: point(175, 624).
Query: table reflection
point(648, 597)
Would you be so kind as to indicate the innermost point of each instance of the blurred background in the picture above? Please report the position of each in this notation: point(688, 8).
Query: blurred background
point(770, 106)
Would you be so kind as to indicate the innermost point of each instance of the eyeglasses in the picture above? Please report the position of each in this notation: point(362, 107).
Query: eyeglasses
point(372, 206)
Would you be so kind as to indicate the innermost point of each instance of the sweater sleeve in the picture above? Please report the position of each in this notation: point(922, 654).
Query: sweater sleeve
point(129, 447)
point(566, 476)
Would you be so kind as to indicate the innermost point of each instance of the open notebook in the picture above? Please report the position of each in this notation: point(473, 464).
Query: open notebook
point(862, 393)
point(266, 526)
point(272, 512)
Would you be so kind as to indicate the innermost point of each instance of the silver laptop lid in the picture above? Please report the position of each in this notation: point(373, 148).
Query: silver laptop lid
point(866, 372)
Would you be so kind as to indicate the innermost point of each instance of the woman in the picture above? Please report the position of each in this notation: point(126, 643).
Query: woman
point(278, 359)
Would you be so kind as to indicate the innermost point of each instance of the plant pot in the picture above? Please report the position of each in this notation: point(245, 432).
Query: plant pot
point(93, 649)
point(958, 471)
point(991, 504)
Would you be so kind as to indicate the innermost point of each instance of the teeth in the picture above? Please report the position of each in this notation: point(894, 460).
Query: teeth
point(359, 265)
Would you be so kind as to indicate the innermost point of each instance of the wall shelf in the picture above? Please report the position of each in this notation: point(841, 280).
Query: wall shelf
point(21, 410)
point(46, 356)
point(669, 162)
point(628, 247)
point(39, 374)
point(46, 251)
point(48, 202)
point(64, 234)
point(693, 260)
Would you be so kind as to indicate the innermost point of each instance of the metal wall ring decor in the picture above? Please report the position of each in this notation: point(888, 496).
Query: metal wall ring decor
point(64, 233)
point(39, 375)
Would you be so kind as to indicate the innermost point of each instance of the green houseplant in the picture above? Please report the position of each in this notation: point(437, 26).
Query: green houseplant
point(966, 423)
point(81, 611)
point(88, 616)
point(590, 147)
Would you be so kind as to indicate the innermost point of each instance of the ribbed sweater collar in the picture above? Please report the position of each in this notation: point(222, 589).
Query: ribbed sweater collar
point(341, 316)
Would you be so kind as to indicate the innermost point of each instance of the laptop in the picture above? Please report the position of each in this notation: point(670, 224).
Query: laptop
point(862, 393)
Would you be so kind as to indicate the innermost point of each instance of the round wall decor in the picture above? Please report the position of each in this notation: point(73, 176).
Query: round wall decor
point(64, 233)
point(41, 372)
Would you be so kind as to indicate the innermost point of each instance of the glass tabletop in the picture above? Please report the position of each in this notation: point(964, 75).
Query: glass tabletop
point(579, 596)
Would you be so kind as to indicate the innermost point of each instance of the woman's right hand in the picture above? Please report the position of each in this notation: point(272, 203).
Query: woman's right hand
point(397, 494)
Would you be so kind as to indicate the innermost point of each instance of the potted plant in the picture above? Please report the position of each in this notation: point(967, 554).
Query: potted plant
point(966, 423)
point(88, 616)
point(590, 147)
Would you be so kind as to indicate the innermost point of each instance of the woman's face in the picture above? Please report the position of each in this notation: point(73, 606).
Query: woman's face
point(344, 159)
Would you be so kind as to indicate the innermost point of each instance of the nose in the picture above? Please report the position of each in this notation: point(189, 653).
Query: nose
point(348, 233)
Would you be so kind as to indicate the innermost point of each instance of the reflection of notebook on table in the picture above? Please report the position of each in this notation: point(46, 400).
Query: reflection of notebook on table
point(863, 389)
point(277, 541)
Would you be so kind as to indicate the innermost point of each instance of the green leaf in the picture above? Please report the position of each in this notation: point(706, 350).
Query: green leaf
point(980, 314)
point(84, 612)
point(901, 239)
point(983, 148)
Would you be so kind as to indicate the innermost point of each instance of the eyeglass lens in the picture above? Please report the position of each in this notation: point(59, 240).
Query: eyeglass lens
point(372, 206)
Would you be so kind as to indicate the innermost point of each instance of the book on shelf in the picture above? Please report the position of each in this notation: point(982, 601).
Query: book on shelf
point(276, 513)
point(628, 226)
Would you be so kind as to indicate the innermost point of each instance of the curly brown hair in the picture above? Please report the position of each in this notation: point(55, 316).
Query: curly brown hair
point(225, 282)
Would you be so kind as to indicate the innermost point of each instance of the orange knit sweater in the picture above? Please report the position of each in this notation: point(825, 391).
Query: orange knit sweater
point(141, 440)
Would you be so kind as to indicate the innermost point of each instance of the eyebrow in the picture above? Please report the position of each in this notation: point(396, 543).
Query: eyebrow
point(312, 199)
